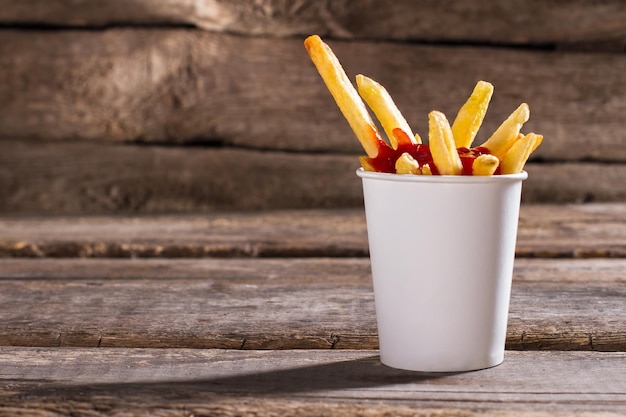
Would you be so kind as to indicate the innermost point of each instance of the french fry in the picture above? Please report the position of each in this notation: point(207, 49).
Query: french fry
point(426, 170)
point(406, 164)
point(538, 141)
point(381, 103)
point(442, 146)
point(518, 154)
point(471, 115)
point(366, 164)
point(345, 95)
point(506, 135)
point(485, 165)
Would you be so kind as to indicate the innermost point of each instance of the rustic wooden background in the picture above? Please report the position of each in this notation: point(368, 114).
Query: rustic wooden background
point(141, 106)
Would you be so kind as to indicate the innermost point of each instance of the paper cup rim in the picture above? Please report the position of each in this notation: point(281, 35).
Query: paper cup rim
point(456, 179)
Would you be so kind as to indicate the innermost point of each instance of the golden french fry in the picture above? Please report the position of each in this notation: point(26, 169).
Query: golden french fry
point(506, 135)
point(345, 95)
point(381, 103)
point(442, 146)
point(426, 170)
point(485, 164)
point(538, 141)
point(366, 164)
point(471, 115)
point(515, 159)
point(406, 164)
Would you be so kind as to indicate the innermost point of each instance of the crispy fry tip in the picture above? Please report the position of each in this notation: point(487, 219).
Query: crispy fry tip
point(311, 41)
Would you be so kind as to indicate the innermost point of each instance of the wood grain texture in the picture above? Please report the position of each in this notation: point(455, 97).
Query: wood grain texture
point(185, 86)
point(300, 233)
point(545, 231)
point(316, 303)
point(75, 178)
point(225, 383)
point(574, 183)
point(578, 231)
point(489, 21)
point(90, 178)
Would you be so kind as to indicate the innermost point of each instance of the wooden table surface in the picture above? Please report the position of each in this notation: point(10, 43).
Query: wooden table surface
point(271, 313)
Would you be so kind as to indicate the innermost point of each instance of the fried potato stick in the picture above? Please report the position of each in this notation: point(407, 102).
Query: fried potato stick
point(485, 165)
point(426, 170)
point(471, 115)
point(516, 157)
point(506, 135)
point(442, 146)
point(383, 106)
point(366, 164)
point(406, 164)
point(345, 95)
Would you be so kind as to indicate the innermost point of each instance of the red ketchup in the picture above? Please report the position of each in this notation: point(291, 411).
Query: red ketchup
point(386, 159)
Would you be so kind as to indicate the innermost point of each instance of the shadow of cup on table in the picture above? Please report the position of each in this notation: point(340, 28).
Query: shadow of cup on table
point(364, 372)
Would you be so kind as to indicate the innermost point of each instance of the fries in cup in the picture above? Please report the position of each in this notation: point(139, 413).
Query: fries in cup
point(448, 151)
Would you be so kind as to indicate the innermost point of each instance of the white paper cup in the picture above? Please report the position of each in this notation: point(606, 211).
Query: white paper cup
point(442, 251)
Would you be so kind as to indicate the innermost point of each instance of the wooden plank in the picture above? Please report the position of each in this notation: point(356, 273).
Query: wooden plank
point(316, 303)
point(578, 231)
point(572, 183)
point(530, 22)
point(76, 178)
point(226, 383)
point(184, 86)
point(547, 231)
point(90, 178)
